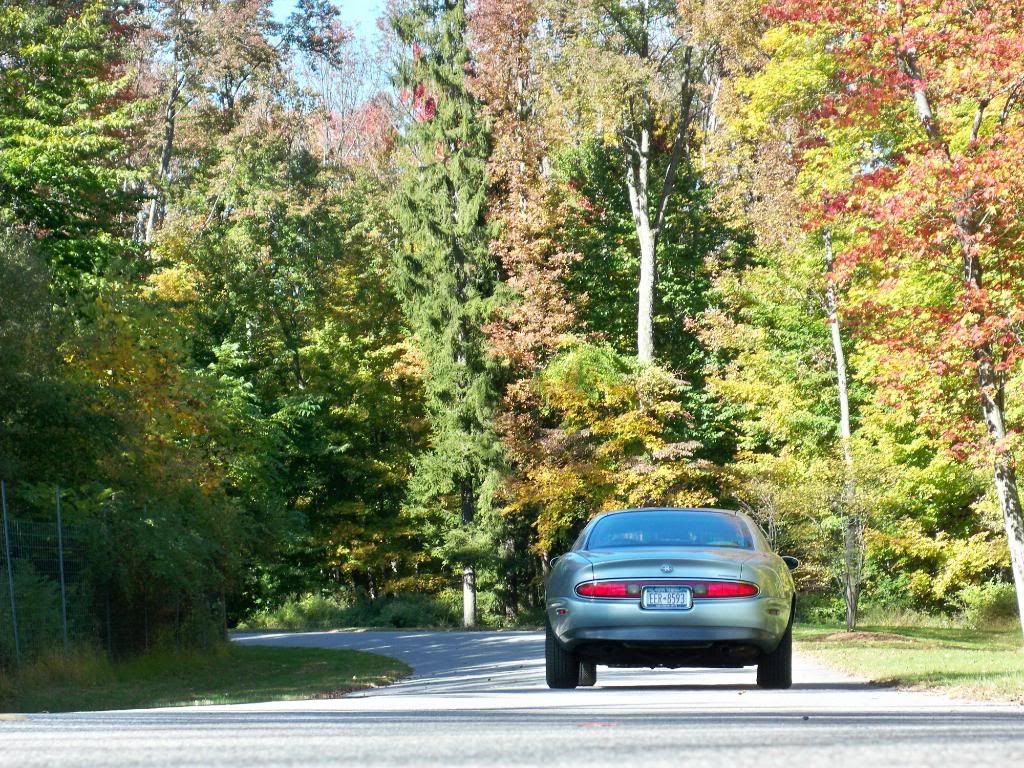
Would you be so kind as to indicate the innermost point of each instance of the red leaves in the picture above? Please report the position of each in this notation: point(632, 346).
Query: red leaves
point(424, 110)
point(424, 106)
point(922, 199)
point(834, 204)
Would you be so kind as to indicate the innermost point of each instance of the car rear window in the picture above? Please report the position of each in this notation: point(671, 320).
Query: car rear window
point(661, 528)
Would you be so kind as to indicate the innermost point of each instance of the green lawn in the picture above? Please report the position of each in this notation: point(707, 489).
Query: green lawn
point(231, 674)
point(962, 662)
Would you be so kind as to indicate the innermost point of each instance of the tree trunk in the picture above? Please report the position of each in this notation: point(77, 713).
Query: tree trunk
point(637, 183)
point(853, 533)
point(468, 574)
point(832, 307)
point(645, 312)
point(170, 124)
point(993, 409)
point(648, 222)
point(1005, 472)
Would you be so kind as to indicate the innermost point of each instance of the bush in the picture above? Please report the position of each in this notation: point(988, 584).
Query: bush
point(820, 608)
point(39, 618)
point(313, 611)
point(416, 611)
point(988, 605)
point(887, 591)
point(306, 612)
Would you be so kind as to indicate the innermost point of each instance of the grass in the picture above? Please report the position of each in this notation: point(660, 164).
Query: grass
point(967, 663)
point(231, 674)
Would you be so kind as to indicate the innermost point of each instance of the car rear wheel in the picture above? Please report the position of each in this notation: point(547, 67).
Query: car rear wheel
point(775, 669)
point(561, 667)
point(588, 674)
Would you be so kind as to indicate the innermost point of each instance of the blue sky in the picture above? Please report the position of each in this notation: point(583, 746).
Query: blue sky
point(361, 15)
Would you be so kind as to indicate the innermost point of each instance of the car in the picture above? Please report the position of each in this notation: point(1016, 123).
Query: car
point(670, 587)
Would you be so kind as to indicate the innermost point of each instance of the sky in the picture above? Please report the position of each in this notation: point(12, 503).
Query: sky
point(361, 15)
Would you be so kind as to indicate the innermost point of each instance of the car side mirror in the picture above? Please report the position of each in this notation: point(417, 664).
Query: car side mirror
point(791, 562)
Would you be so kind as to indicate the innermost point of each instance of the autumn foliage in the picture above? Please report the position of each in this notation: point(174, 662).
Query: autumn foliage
point(313, 312)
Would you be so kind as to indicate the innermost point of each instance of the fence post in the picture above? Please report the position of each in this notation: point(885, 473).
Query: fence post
point(10, 575)
point(107, 550)
point(63, 591)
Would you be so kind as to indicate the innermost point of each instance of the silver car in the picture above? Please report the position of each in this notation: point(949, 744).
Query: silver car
point(670, 588)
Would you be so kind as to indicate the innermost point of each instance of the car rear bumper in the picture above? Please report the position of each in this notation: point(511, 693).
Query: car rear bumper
point(733, 632)
point(695, 636)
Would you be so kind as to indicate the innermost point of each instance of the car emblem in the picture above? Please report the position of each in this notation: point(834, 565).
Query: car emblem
point(666, 568)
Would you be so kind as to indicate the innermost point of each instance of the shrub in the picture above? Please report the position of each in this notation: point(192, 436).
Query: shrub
point(992, 604)
point(887, 591)
point(314, 611)
point(416, 611)
point(309, 611)
point(39, 616)
point(820, 608)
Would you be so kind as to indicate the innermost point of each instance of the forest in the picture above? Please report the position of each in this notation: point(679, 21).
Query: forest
point(309, 321)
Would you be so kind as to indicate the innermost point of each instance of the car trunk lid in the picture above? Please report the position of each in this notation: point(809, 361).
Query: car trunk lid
point(704, 563)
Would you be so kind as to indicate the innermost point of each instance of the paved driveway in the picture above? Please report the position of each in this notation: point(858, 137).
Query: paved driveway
point(479, 699)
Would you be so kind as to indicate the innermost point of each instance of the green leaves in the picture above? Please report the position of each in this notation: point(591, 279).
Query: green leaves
point(444, 271)
point(64, 118)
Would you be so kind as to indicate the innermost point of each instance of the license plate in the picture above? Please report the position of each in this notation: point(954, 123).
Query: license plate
point(667, 598)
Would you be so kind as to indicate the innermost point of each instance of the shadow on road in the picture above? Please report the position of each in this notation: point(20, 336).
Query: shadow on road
point(509, 663)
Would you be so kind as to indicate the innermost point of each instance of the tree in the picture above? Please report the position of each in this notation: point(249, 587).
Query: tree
point(217, 54)
point(65, 117)
point(446, 275)
point(522, 207)
point(942, 199)
point(536, 312)
point(645, 94)
point(765, 182)
point(611, 434)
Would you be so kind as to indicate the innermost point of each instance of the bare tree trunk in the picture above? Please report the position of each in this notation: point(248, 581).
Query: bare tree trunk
point(1005, 472)
point(637, 183)
point(832, 307)
point(468, 574)
point(645, 311)
point(853, 533)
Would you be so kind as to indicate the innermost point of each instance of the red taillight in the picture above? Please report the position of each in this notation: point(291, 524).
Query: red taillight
point(608, 589)
point(729, 589)
point(625, 590)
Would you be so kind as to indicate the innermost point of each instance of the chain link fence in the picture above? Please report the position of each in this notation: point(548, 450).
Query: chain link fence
point(61, 592)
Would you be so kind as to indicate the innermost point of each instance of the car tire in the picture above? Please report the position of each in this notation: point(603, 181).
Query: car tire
point(588, 674)
point(775, 670)
point(561, 667)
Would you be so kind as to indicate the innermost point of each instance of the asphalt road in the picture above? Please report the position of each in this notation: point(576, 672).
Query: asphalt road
point(478, 699)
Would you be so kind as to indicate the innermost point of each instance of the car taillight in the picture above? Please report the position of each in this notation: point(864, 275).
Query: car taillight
point(625, 590)
point(727, 589)
point(608, 589)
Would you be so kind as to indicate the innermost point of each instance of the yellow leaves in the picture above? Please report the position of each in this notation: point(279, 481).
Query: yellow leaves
point(408, 364)
point(177, 284)
point(966, 561)
point(612, 447)
point(939, 566)
point(798, 71)
point(673, 483)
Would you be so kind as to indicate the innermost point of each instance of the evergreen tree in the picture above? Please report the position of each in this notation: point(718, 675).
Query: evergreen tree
point(446, 278)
